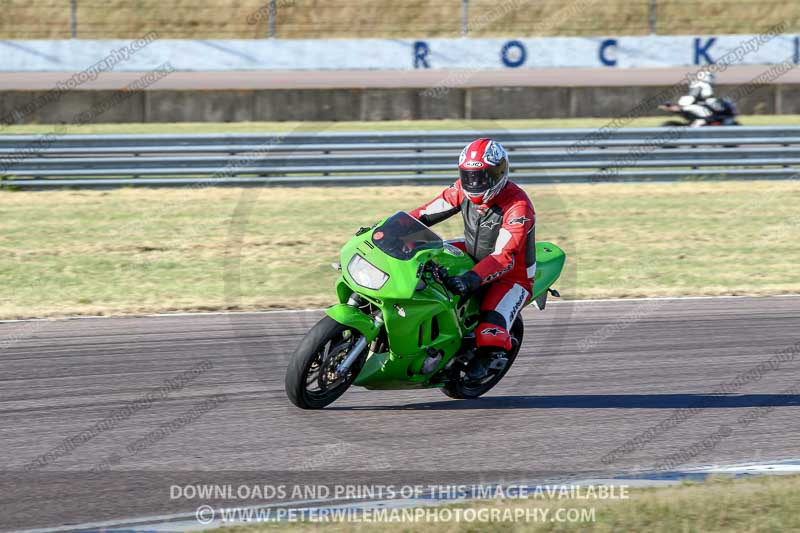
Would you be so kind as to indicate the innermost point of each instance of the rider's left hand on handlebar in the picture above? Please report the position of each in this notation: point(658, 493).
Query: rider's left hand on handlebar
point(464, 284)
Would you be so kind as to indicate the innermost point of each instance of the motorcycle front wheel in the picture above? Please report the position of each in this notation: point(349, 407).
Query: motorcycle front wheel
point(312, 381)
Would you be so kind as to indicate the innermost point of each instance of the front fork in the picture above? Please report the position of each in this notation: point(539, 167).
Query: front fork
point(350, 315)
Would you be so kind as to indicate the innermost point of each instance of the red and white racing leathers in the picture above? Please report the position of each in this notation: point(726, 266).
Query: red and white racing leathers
point(500, 237)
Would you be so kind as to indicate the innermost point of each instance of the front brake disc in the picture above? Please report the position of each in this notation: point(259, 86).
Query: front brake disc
point(328, 377)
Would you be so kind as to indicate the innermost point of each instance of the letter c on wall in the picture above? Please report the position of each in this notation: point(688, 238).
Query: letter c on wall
point(604, 59)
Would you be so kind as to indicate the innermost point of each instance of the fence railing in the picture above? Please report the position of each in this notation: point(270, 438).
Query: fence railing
point(248, 19)
point(537, 156)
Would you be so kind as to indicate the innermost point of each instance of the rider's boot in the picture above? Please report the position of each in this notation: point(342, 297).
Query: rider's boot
point(492, 358)
point(488, 358)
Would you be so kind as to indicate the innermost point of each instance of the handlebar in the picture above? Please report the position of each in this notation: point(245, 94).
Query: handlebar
point(438, 272)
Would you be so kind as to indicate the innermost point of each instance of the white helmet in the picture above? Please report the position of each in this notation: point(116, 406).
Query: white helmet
point(704, 76)
point(702, 86)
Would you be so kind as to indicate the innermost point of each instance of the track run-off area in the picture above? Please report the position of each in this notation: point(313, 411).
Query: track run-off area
point(101, 418)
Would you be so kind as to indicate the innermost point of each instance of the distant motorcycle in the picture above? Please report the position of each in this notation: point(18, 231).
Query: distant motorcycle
point(724, 114)
point(396, 325)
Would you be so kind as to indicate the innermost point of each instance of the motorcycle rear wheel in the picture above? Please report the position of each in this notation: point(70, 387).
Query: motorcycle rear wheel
point(311, 379)
point(464, 390)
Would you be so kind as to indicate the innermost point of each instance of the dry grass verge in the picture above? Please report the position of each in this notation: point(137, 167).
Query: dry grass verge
point(137, 251)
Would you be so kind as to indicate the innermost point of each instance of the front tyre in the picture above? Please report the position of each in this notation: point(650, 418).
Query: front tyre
point(311, 378)
point(463, 389)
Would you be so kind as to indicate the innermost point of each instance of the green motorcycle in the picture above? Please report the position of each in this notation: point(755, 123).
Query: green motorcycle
point(396, 325)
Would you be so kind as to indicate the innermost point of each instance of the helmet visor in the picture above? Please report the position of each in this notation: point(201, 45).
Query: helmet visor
point(475, 181)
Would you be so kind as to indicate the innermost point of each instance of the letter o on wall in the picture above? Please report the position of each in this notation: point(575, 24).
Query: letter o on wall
point(507, 54)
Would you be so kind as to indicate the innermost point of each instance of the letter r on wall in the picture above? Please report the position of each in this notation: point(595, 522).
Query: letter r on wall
point(421, 51)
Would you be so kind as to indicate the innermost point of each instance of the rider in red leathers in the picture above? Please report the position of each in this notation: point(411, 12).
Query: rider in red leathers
point(499, 222)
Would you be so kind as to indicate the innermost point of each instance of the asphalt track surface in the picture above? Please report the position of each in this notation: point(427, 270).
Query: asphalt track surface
point(346, 79)
point(591, 376)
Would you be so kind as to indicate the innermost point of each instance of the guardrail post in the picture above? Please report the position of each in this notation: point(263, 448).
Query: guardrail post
point(273, 13)
point(73, 18)
point(464, 18)
point(653, 16)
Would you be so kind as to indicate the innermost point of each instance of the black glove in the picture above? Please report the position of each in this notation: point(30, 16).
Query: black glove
point(463, 284)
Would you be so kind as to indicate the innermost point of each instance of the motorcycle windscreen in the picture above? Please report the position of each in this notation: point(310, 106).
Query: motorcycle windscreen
point(402, 236)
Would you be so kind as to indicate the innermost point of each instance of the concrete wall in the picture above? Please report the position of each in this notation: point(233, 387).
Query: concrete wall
point(150, 52)
point(365, 104)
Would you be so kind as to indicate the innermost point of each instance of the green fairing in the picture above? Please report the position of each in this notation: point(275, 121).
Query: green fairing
point(549, 262)
point(417, 321)
point(350, 316)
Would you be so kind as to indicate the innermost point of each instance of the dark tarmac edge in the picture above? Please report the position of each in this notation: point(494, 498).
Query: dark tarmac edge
point(601, 388)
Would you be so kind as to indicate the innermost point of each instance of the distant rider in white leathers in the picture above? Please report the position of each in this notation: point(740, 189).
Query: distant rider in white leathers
point(700, 102)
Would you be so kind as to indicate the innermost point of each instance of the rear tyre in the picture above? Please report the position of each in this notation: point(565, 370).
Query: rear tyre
point(311, 378)
point(463, 389)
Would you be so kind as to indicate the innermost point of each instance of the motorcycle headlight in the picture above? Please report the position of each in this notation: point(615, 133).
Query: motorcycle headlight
point(366, 274)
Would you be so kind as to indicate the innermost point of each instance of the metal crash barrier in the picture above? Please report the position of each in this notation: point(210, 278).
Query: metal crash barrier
point(414, 157)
